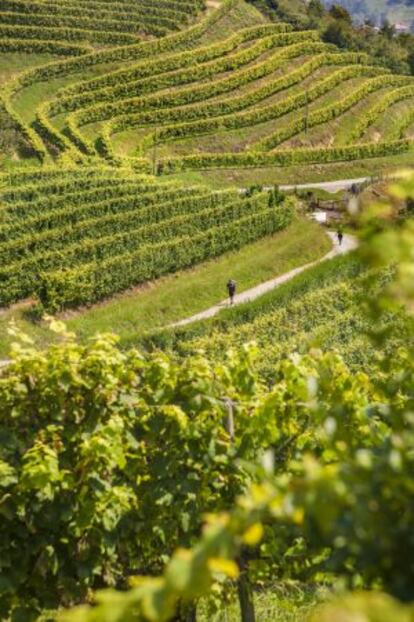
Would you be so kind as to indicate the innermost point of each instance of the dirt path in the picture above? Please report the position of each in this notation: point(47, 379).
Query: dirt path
point(349, 243)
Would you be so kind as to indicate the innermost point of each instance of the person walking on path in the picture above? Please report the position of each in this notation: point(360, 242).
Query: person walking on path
point(340, 236)
point(231, 288)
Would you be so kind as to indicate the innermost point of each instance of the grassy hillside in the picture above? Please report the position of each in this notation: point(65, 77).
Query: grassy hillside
point(232, 91)
point(142, 143)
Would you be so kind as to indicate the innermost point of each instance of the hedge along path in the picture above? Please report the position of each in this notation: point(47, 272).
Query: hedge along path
point(349, 244)
point(120, 54)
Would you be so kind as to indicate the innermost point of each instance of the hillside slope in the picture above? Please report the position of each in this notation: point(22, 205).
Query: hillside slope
point(230, 91)
point(73, 236)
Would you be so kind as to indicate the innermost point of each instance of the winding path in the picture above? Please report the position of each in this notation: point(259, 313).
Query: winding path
point(349, 243)
point(330, 186)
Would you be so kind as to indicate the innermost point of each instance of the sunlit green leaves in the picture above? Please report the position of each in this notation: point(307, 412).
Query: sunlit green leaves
point(113, 463)
point(40, 471)
point(364, 607)
point(8, 475)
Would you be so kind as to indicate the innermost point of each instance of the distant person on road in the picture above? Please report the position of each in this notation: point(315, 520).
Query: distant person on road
point(231, 288)
point(340, 237)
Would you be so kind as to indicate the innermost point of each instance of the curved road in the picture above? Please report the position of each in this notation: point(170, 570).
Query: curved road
point(349, 243)
point(330, 186)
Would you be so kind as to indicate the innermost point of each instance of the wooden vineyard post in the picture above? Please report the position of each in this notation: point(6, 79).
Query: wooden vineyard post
point(191, 613)
point(245, 592)
point(186, 613)
point(230, 418)
point(244, 588)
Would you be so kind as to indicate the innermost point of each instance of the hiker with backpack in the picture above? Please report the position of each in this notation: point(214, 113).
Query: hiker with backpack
point(231, 288)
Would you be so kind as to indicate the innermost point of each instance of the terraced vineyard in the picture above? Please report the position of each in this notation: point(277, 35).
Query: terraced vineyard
point(216, 94)
point(54, 25)
point(212, 86)
point(73, 237)
point(147, 154)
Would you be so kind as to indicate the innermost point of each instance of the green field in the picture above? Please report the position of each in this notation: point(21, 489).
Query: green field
point(225, 98)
